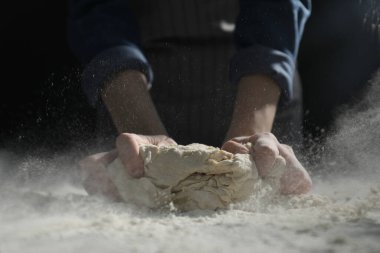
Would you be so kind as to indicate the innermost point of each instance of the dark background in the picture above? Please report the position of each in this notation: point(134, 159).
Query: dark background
point(41, 102)
point(42, 105)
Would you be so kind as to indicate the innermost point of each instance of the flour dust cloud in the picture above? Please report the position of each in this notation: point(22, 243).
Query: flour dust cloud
point(43, 208)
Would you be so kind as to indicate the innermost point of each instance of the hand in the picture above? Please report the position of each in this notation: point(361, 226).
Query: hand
point(94, 175)
point(128, 146)
point(93, 168)
point(255, 106)
point(264, 150)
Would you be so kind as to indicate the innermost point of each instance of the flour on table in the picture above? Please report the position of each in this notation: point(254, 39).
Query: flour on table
point(195, 176)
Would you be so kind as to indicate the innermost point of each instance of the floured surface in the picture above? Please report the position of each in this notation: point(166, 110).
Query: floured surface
point(58, 217)
point(49, 212)
point(192, 177)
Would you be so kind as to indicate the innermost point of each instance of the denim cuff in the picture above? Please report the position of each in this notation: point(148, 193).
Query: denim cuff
point(109, 63)
point(258, 59)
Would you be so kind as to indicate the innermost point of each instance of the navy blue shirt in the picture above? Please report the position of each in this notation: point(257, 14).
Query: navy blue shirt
point(104, 35)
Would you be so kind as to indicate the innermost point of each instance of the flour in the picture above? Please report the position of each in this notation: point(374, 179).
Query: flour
point(192, 177)
point(64, 218)
point(52, 212)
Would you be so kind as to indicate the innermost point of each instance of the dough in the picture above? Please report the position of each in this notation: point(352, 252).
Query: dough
point(192, 177)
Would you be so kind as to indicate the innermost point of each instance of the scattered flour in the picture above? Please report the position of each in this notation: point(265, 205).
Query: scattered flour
point(52, 213)
point(65, 219)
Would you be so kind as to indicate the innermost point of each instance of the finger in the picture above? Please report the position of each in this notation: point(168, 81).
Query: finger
point(92, 159)
point(99, 183)
point(235, 147)
point(288, 153)
point(96, 163)
point(158, 140)
point(170, 141)
point(94, 176)
point(295, 182)
point(265, 135)
point(108, 157)
point(104, 158)
point(128, 149)
point(264, 152)
point(241, 139)
point(163, 140)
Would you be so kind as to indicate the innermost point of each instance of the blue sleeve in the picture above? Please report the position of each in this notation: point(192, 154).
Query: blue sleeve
point(103, 35)
point(267, 35)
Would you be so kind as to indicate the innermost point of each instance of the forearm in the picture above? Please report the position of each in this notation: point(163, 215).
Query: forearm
point(255, 106)
point(127, 98)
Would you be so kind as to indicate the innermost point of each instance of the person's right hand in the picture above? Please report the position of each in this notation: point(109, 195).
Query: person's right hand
point(93, 167)
point(264, 149)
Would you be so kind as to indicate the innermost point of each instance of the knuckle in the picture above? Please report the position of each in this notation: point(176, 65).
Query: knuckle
point(234, 147)
point(254, 138)
point(124, 137)
point(288, 148)
point(266, 150)
point(229, 143)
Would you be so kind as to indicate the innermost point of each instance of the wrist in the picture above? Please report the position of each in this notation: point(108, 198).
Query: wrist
point(237, 130)
point(127, 98)
point(255, 106)
point(125, 81)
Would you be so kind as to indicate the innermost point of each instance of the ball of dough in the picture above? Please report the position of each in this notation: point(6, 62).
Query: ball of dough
point(195, 176)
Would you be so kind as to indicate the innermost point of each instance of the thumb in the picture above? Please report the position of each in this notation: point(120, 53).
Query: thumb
point(235, 147)
point(128, 148)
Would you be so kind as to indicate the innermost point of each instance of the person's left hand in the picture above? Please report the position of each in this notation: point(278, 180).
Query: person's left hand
point(93, 167)
point(264, 150)
point(94, 176)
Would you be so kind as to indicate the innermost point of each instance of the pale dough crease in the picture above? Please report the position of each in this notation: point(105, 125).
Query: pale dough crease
point(195, 176)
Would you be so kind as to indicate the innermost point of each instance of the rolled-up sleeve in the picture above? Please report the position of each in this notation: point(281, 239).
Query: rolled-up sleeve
point(103, 35)
point(267, 35)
